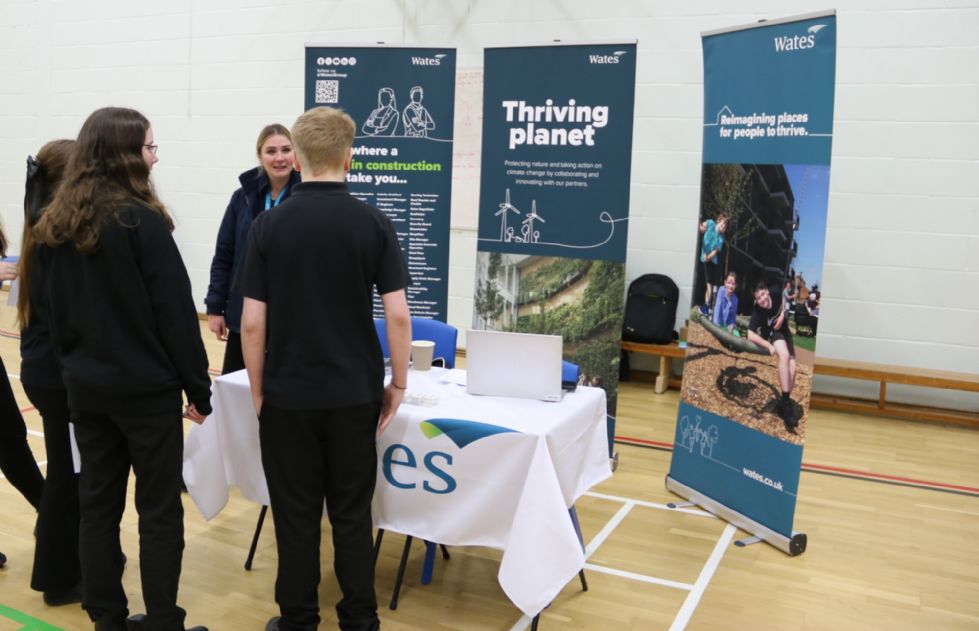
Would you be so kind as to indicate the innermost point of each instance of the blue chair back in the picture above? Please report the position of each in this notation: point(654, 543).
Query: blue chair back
point(444, 335)
point(569, 372)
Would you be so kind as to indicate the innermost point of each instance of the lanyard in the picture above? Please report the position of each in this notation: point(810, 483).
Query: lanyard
point(278, 198)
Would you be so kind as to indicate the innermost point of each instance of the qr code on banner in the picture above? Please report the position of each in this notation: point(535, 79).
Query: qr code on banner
point(327, 91)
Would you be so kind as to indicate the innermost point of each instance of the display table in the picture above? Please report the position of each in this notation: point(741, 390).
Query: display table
point(487, 471)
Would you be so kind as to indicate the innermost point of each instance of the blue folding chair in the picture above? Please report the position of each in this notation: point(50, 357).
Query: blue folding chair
point(444, 335)
point(569, 374)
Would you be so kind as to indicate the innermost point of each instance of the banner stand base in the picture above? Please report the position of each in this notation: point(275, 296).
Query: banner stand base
point(793, 546)
point(680, 504)
point(747, 541)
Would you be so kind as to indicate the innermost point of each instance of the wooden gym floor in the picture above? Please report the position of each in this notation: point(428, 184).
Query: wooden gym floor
point(891, 509)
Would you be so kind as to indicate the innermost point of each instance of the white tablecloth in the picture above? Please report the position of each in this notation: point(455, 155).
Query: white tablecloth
point(496, 472)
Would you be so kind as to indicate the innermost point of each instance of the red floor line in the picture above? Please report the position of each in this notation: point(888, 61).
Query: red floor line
point(884, 476)
point(817, 467)
point(29, 408)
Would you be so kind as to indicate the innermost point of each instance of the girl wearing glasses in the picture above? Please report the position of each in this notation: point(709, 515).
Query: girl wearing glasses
point(117, 299)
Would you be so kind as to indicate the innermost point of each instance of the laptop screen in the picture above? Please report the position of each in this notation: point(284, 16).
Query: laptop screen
point(520, 365)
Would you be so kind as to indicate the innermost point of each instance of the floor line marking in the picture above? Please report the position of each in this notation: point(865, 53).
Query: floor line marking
point(611, 525)
point(638, 577)
point(615, 498)
point(707, 573)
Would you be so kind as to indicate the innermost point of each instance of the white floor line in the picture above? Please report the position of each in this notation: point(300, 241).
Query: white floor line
point(521, 624)
point(591, 567)
point(607, 530)
point(34, 432)
point(616, 498)
point(693, 598)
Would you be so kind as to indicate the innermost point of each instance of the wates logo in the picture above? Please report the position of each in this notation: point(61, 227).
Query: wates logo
point(428, 61)
point(402, 469)
point(786, 43)
point(606, 59)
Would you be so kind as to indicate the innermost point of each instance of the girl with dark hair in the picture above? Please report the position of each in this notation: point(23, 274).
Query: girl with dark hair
point(117, 299)
point(56, 568)
point(262, 188)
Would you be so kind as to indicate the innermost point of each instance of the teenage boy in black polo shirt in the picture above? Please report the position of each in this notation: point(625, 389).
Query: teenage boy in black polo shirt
point(316, 370)
point(769, 329)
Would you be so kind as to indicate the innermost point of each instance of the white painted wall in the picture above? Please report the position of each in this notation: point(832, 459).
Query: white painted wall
point(901, 281)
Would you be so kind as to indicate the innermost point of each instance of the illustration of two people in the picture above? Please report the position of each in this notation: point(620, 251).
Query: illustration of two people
point(383, 120)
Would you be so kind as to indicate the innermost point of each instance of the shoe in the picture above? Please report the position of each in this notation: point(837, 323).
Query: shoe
point(273, 624)
point(705, 310)
point(3, 559)
point(61, 597)
point(787, 414)
point(135, 622)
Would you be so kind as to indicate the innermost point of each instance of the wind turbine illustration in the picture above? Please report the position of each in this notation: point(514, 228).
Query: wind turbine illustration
point(529, 235)
point(504, 207)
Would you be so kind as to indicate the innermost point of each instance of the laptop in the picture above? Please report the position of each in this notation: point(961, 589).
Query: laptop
point(522, 365)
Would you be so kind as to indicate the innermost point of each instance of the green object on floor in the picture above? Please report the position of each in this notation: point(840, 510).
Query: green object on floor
point(30, 624)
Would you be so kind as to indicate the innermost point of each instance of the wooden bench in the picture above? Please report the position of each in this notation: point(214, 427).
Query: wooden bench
point(885, 374)
point(666, 353)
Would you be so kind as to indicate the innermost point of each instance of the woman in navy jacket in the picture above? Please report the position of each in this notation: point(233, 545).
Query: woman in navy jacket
point(262, 188)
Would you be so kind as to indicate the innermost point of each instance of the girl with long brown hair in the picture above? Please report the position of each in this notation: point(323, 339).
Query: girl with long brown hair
point(117, 298)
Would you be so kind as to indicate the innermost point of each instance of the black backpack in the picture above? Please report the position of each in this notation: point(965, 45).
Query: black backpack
point(650, 310)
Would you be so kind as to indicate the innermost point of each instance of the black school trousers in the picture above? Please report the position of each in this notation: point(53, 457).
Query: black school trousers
point(56, 565)
point(308, 457)
point(153, 446)
point(16, 459)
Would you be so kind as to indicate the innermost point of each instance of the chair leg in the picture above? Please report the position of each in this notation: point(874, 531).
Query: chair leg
point(401, 573)
point(581, 540)
point(258, 531)
point(533, 623)
point(377, 543)
point(428, 569)
point(428, 566)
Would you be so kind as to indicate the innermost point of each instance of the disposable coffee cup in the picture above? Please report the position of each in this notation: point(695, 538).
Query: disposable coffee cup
point(421, 354)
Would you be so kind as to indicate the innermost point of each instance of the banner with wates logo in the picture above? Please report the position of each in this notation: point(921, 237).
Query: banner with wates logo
point(751, 340)
point(554, 199)
point(402, 100)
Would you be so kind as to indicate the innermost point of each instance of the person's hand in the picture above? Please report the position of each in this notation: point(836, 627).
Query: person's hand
point(217, 326)
point(257, 402)
point(771, 350)
point(9, 271)
point(192, 414)
point(392, 401)
point(779, 320)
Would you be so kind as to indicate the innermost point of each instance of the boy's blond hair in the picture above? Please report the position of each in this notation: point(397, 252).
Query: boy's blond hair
point(323, 137)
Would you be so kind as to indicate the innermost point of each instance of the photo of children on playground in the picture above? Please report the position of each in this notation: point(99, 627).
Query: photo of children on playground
point(752, 328)
point(579, 299)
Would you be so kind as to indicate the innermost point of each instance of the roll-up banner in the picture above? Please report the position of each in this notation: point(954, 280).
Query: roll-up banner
point(402, 100)
point(554, 199)
point(751, 339)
